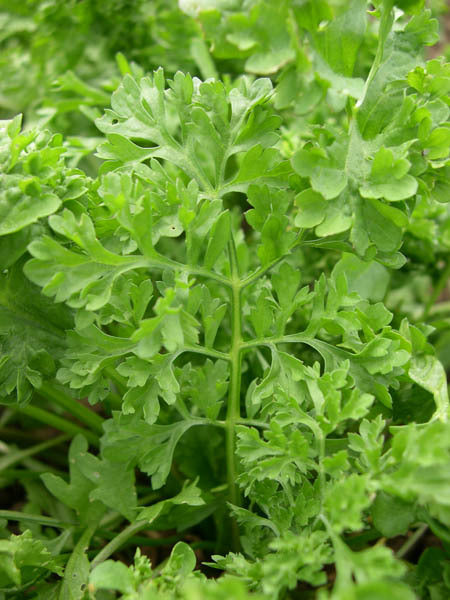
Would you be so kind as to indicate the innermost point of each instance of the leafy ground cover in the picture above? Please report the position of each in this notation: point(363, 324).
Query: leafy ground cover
point(224, 316)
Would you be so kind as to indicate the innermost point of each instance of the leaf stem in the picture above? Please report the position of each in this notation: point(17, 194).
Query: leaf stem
point(118, 541)
point(206, 352)
point(14, 515)
point(199, 271)
point(118, 379)
point(320, 437)
point(385, 27)
point(411, 541)
point(294, 338)
point(263, 270)
point(71, 405)
point(234, 395)
point(14, 457)
point(52, 420)
point(247, 422)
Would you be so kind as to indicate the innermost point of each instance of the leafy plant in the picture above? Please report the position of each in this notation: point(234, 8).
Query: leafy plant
point(212, 318)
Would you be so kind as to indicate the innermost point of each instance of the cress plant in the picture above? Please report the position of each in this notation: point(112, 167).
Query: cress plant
point(243, 282)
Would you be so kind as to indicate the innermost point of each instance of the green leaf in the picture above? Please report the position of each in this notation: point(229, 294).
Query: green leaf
point(383, 225)
point(345, 502)
point(131, 441)
point(189, 495)
point(340, 39)
point(311, 207)
point(394, 191)
point(31, 336)
point(181, 562)
point(368, 279)
point(214, 125)
point(399, 52)
point(22, 558)
point(328, 182)
point(76, 574)
point(206, 386)
point(261, 316)
point(428, 372)
point(76, 493)
point(438, 143)
point(392, 516)
point(114, 486)
point(112, 575)
point(218, 240)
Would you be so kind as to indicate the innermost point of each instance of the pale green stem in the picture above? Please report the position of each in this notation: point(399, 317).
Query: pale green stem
point(118, 541)
point(263, 270)
point(411, 541)
point(71, 405)
point(247, 422)
point(321, 471)
point(18, 456)
point(118, 379)
point(13, 515)
point(206, 352)
point(234, 394)
point(296, 338)
point(52, 420)
point(385, 27)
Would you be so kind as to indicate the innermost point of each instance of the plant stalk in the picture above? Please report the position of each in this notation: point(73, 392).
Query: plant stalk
point(17, 456)
point(52, 420)
point(412, 541)
point(234, 395)
point(71, 405)
point(14, 515)
point(118, 541)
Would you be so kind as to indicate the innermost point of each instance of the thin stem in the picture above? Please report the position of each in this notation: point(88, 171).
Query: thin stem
point(142, 540)
point(113, 519)
point(294, 338)
point(57, 422)
point(234, 395)
point(15, 457)
point(253, 423)
point(321, 471)
point(113, 400)
point(118, 379)
point(206, 352)
point(81, 412)
point(411, 541)
point(118, 541)
point(248, 422)
point(199, 271)
point(385, 27)
point(13, 515)
point(263, 270)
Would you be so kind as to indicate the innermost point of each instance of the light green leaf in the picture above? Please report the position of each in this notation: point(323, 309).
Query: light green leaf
point(311, 207)
point(218, 240)
point(427, 371)
point(112, 575)
point(328, 182)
